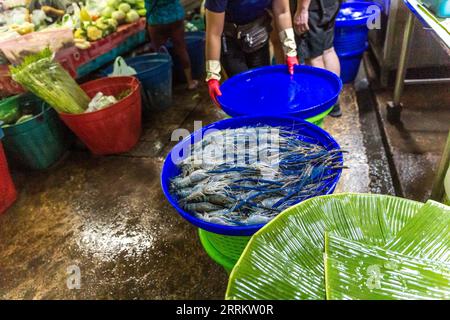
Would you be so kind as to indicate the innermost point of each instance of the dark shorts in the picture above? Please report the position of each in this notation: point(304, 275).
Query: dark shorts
point(320, 36)
point(234, 60)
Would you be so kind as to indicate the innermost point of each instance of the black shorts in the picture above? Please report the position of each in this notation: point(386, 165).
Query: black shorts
point(320, 36)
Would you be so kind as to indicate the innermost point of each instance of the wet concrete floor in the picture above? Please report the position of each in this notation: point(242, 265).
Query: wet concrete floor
point(107, 218)
point(416, 141)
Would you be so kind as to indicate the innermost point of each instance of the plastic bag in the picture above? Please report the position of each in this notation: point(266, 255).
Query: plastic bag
point(100, 101)
point(121, 68)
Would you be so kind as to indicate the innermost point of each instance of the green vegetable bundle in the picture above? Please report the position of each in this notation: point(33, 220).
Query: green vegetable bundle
point(44, 77)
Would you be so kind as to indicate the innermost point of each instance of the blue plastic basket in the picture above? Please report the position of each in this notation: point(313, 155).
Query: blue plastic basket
point(351, 31)
point(441, 8)
point(350, 62)
point(273, 91)
point(195, 42)
point(154, 71)
point(307, 132)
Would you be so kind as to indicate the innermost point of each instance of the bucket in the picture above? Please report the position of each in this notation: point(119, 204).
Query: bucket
point(154, 71)
point(309, 94)
point(195, 42)
point(351, 30)
point(225, 243)
point(350, 64)
point(8, 194)
point(40, 141)
point(112, 130)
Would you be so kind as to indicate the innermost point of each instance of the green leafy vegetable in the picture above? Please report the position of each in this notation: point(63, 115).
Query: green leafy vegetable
point(48, 80)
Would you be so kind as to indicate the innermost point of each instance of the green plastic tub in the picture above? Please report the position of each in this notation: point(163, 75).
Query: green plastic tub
point(224, 250)
point(317, 120)
point(39, 142)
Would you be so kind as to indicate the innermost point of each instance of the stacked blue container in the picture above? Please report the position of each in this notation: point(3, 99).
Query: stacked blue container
point(351, 33)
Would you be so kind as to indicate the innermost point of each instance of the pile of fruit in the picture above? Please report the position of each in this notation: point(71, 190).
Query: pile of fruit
point(117, 12)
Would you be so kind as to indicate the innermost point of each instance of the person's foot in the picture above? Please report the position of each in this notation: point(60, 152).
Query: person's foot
point(336, 112)
point(193, 85)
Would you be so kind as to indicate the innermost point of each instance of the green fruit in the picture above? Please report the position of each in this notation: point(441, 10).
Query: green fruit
point(118, 15)
point(142, 12)
point(124, 7)
point(113, 3)
point(107, 12)
point(131, 1)
point(140, 4)
point(132, 16)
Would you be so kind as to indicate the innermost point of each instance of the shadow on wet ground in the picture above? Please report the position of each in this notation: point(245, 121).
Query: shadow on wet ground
point(107, 218)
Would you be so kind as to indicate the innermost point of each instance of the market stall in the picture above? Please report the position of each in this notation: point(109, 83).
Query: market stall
point(100, 34)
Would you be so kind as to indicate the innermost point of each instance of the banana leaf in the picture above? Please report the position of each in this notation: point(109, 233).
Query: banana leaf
point(357, 271)
point(426, 235)
point(284, 260)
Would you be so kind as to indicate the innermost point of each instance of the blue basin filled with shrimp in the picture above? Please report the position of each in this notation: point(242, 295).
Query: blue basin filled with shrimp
point(272, 91)
point(300, 131)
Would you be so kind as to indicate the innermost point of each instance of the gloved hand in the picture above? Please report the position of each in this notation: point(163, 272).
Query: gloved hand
point(287, 39)
point(212, 78)
point(214, 90)
point(291, 62)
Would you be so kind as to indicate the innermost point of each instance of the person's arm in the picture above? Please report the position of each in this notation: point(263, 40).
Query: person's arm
point(214, 29)
point(301, 16)
point(283, 21)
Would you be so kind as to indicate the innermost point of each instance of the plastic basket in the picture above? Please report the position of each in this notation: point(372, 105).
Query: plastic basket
point(307, 132)
point(272, 91)
point(115, 129)
point(441, 8)
point(225, 250)
point(351, 31)
point(195, 42)
point(39, 142)
point(154, 71)
point(8, 193)
point(350, 65)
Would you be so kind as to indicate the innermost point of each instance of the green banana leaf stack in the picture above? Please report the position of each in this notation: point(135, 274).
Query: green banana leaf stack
point(348, 246)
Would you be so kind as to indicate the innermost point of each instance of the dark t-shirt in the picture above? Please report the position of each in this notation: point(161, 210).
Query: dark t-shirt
point(239, 11)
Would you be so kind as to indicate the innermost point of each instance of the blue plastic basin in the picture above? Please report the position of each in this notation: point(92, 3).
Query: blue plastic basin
point(351, 31)
point(273, 91)
point(307, 132)
point(350, 62)
point(154, 71)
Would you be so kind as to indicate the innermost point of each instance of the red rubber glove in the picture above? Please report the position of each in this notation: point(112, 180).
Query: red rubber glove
point(214, 91)
point(291, 62)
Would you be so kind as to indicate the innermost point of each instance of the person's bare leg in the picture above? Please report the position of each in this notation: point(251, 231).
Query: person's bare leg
point(316, 62)
point(331, 61)
point(179, 45)
point(332, 64)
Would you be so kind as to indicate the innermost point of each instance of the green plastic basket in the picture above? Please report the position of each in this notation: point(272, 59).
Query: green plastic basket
point(39, 142)
point(225, 250)
point(317, 120)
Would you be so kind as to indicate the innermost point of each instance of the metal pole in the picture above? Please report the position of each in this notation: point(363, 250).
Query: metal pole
point(401, 70)
point(438, 186)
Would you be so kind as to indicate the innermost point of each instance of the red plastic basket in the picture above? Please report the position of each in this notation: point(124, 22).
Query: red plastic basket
point(115, 129)
point(8, 192)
